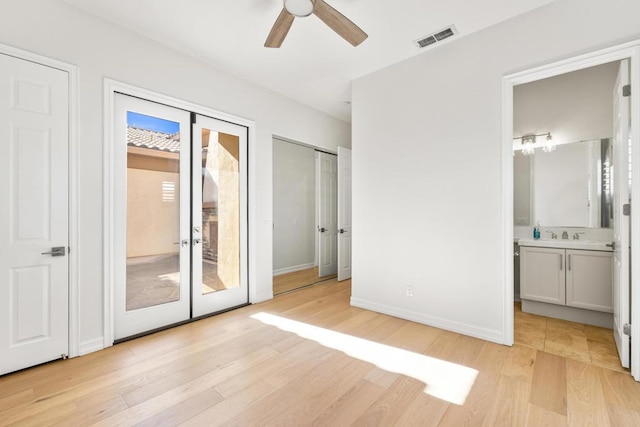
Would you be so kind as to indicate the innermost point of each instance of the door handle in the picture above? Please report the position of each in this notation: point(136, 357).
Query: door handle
point(183, 243)
point(342, 231)
point(56, 251)
point(196, 242)
point(569, 262)
point(560, 255)
point(611, 245)
point(322, 229)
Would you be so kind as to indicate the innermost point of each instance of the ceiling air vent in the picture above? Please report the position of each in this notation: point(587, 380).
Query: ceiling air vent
point(436, 37)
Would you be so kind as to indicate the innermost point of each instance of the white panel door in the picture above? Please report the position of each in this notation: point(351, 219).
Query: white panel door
point(34, 285)
point(328, 215)
point(620, 172)
point(219, 194)
point(153, 213)
point(344, 213)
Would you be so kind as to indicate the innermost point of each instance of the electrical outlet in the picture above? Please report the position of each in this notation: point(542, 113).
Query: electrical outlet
point(409, 291)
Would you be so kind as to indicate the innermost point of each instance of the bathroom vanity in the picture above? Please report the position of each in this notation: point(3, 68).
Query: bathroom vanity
point(567, 279)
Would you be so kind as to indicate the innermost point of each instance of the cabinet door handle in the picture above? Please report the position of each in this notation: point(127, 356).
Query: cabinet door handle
point(560, 255)
point(569, 262)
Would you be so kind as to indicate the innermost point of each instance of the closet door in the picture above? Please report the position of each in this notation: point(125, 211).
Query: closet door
point(328, 214)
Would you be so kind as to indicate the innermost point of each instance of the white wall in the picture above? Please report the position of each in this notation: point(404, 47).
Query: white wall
point(294, 204)
point(427, 164)
point(100, 50)
point(576, 106)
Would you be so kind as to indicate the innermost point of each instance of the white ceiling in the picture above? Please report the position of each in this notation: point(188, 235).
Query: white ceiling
point(314, 65)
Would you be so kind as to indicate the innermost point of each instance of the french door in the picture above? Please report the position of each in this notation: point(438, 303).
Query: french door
point(181, 184)
point(219, 207)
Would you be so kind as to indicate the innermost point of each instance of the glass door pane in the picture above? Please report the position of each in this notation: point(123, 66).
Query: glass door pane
point(219, 206)
point(153, 261)
point(153, 211)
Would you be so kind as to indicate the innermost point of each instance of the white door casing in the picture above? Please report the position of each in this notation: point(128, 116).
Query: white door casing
point(344, 213)
point(34, 286)
point(207, 303)
point(132, 322)
point(620, 172)
point(327, 215)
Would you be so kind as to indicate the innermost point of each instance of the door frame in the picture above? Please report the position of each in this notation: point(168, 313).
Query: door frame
point(111, 234)
point(631, 51)
point(75, 347)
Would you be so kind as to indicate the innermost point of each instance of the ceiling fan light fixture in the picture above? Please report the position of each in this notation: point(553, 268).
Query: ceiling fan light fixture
point(299, 8)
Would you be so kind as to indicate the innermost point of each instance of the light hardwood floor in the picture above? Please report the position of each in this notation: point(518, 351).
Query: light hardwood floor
point(309, 358)
point(577, 341)
point(297, 279)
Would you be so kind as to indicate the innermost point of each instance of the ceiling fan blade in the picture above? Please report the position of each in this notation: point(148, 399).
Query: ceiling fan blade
point(339, 23)
point(279, 30)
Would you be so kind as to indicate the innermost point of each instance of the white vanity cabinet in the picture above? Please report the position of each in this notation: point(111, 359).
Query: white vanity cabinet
point(575, 278)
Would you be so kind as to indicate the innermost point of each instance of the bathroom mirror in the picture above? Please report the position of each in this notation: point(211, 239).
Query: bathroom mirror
point(569, 187)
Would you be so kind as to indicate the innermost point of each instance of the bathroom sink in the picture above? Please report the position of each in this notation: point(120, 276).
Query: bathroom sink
point(592, 245)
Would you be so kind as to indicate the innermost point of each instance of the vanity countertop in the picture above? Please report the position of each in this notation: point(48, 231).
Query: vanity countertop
point(591, 245)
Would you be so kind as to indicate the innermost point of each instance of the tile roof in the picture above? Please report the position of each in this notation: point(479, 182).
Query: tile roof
point(153, 140)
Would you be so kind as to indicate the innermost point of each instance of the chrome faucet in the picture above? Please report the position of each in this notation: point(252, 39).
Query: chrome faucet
point(565, 235)
point(576, 236)
point(553, 234)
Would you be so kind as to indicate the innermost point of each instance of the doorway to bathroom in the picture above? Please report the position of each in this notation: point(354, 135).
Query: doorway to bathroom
point(570, 147)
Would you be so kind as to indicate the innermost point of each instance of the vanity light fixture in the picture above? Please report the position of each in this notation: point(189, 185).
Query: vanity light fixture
point(549, 144)
point(527, 144)
point(528, 141)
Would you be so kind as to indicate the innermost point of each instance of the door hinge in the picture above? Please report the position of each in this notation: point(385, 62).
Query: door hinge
point(193, 118)
point(626, 209)
point(626, 90)
point(626, 329)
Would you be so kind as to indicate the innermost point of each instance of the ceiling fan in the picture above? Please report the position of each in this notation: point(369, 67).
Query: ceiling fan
point(327, 14)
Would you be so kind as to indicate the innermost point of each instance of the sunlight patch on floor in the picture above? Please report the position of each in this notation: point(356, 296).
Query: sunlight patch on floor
point(444, 380)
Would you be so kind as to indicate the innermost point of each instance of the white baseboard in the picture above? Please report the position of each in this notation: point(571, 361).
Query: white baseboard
point(286, 270)
point(461, 328)
point(91, 346)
